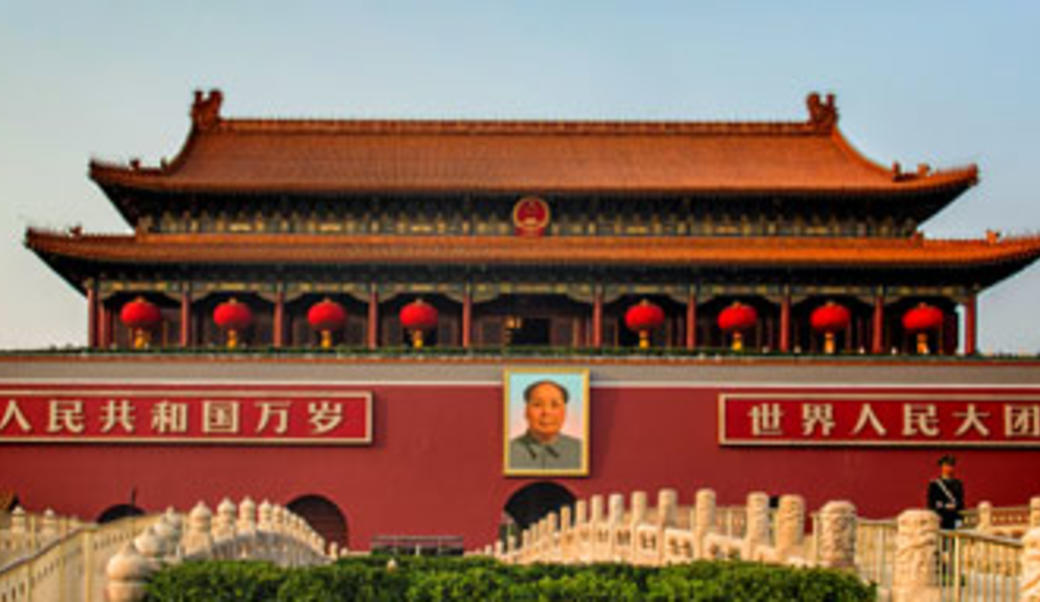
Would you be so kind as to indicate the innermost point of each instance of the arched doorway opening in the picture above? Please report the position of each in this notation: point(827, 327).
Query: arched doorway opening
point(323, 516)
point(118, 511)
point(530, 503)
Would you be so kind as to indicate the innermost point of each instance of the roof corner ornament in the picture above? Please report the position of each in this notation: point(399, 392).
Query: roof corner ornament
point(823, 114)
point(205, 110)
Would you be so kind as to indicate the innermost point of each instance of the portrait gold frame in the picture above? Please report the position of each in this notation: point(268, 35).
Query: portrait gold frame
point(548, 373)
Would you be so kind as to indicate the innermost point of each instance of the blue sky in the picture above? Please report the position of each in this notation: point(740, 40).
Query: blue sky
point(946, 83)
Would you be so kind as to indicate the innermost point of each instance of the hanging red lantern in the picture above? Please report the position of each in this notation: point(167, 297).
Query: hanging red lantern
point(417, 317)
point(232, 316)
point(829, 319)
point(140, 316)
point(326, 316)
point(737, 318)
point(642, 318)
point(922, 319)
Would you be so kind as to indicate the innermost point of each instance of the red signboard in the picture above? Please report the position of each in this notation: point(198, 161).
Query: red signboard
point(255, 414)
point(879, 419)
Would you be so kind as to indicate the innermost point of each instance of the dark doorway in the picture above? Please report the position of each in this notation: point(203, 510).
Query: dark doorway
point(118, 511)
point(532, 331)
point(531, 503)
point(323, 516)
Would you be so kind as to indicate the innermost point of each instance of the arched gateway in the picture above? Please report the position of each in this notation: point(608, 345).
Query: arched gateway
point(530, 503)
point(323, 516)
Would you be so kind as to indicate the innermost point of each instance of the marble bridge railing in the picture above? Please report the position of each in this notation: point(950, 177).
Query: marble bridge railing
point(113, 562)
point(910, 559)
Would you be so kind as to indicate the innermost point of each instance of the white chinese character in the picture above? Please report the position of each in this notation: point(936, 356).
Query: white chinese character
point(972, 419)
point(1022, 420)
point(765, 419)
point(121, 414)
point(920, 418)
point(867, 416)
point(278, 409)
point(817, 414)
point(170, 417)
point(65, 415)
point(219, 416)
point(324, 417)
point(13, 412)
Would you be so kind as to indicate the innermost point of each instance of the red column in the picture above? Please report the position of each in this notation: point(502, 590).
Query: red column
point(970, 325)
point(879, 325)
point(92, 317)
point(467, 319)
point(597, 319)
point(185, 319)
point(373, 319)
point(785, 323)
point(691, 321)
point(278, 325)
point(104, 326)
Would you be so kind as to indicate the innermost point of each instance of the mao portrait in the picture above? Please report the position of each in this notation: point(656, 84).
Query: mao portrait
point(546, 422)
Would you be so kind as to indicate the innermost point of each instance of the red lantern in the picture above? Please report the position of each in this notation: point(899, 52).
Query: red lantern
point(140, 316)
point(326, 316)
point(232, 316)
point(921, 319)
point(828, 319)
point(737, 318)
point(642, 318)
point(417, 317)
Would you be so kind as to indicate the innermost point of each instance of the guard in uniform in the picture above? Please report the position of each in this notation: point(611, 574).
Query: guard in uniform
point(946, 494)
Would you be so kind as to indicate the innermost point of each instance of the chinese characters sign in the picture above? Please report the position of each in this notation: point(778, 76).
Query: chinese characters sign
point(185, 414)
point(880, 419)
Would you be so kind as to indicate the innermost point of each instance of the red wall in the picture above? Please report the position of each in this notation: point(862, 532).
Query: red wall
point(435, 465)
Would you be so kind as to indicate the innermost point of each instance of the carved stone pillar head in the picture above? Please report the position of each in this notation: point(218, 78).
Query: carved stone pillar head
point(1034, 512)
point(565, 518)
point(838, 535)
point(638, 507)
point(917, 539)
point(596, 509)
point(1029, 582)
point(667, 507)
point(790, 523)
point(704, 511)
point(581, 512)
point(617, 509)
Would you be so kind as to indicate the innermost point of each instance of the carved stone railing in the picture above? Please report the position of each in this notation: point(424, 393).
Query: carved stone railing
point(50, 558)
point(909, 558)
point(68, 566)
point(265, 532)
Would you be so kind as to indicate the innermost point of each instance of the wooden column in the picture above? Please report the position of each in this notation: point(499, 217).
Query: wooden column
point(970, 325)
point(691, 321)
point(597, 319)
point(278, 323)
point(104, 326)
point(785, 323)
point(92, 316)
point(878, 334)
point(373, 318)
point(185, 319)
point(467, 319)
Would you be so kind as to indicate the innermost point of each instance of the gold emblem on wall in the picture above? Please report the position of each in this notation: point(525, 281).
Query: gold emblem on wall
point(530, 216)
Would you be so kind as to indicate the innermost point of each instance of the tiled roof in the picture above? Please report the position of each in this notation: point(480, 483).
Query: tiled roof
point(303, 249)
point(349, 156)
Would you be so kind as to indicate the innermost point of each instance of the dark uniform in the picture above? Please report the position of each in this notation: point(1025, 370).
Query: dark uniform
point(946, 498)
point(526, 452)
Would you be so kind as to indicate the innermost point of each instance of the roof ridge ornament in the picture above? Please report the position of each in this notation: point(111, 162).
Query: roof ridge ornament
point(823, 114)
point(205, 110)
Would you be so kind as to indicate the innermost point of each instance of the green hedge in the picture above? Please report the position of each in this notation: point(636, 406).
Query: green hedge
point(467, 580)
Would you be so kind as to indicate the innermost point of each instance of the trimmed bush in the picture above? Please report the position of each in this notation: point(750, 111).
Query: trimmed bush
point(366, 579)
